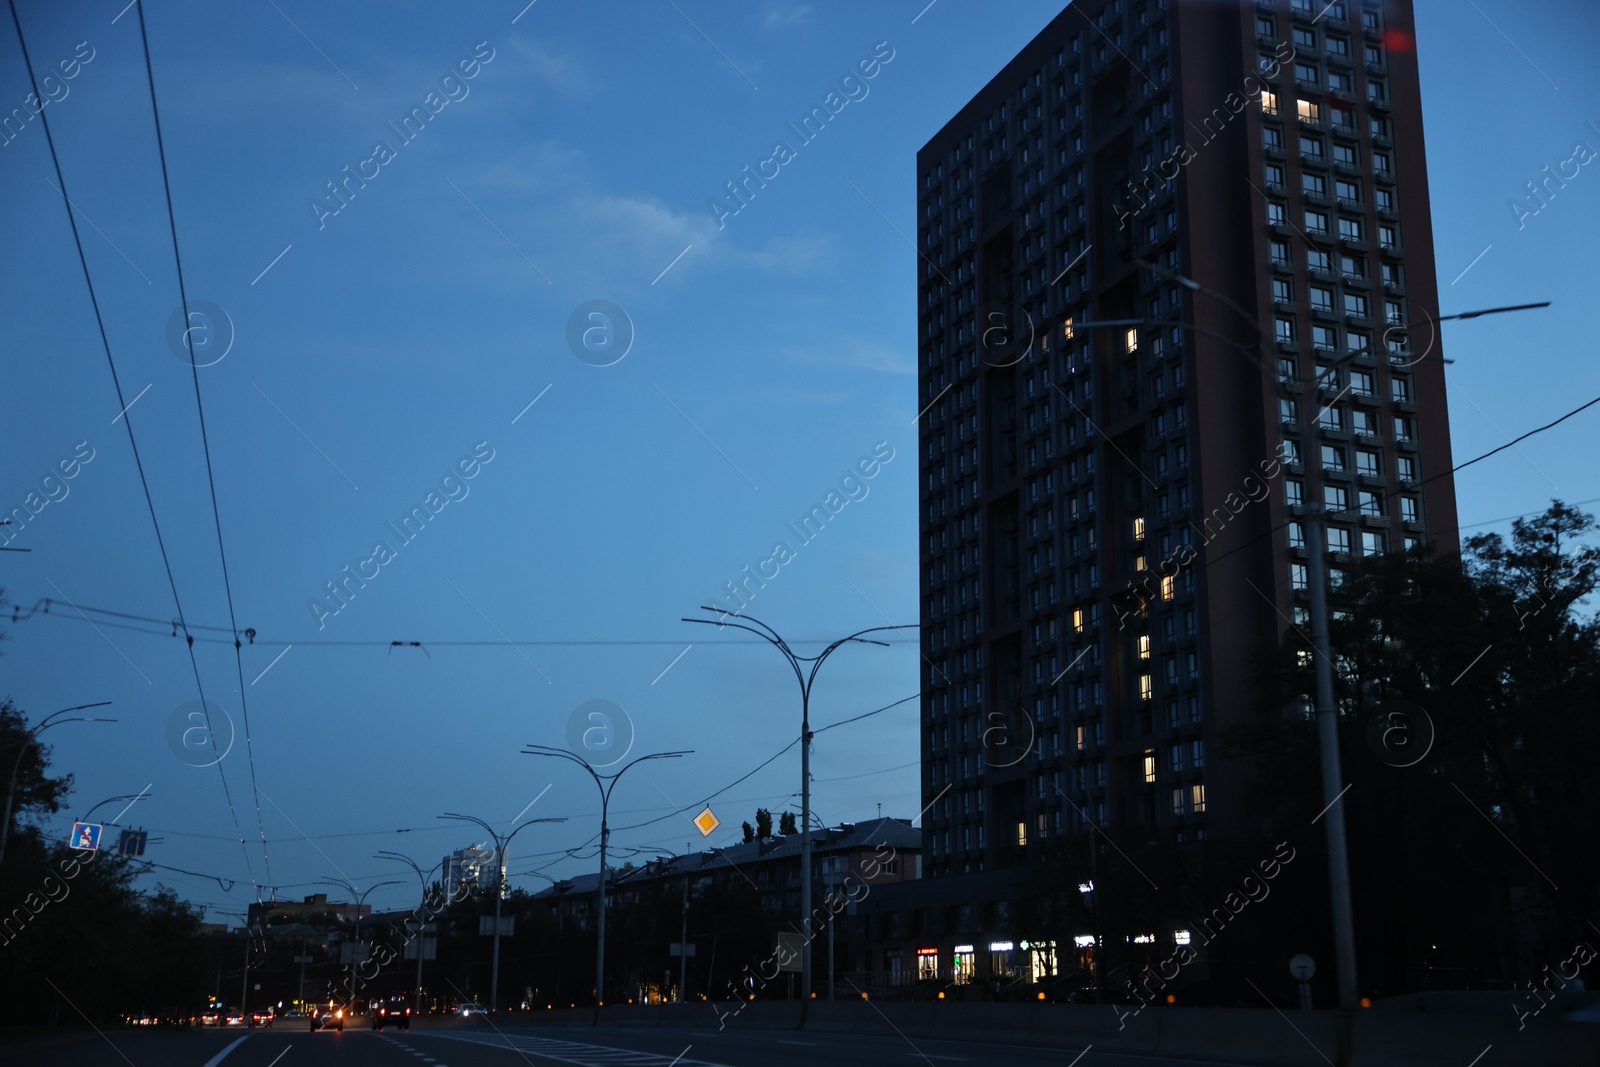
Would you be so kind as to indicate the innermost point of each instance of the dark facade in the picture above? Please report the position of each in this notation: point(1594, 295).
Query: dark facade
point(1113, 475)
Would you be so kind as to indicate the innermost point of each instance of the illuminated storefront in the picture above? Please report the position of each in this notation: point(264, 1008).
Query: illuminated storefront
point(927, 964)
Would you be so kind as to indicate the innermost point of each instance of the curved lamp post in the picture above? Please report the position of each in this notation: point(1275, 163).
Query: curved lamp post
point(805, 672)
point(1316, 580)
point(422, 937)
point(501, 843)
point(22, 748)
point(112, 800)
point(361, 898)
point(605, 783)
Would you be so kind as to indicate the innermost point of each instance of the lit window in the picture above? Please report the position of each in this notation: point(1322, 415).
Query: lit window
point(1077, 620)
point(1269, 102)
point(1144, 646)
point(1131, 339)
point(1310, 111)
point(1166, 587)
point(1022, 833)
point(1066, 329)
point(1138, 528)
point(1149, 765)
point(1197, 796)
point(1146, 687)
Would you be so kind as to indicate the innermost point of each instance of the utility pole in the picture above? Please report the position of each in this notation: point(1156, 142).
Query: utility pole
point(683, 939)
point(805, 672)
point(500, 844)
point(22, 750)
point(600, 781)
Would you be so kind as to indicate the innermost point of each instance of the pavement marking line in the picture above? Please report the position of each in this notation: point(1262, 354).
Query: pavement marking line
point(219, 1057)
point(280, 1055)
point(577, 1053)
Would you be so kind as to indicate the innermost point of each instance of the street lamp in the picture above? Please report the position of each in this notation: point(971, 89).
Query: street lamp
point(1316, 580)
point(361, 898)
point(806, 677)
point(112, 800)
point(22, 748)
point(422, 930)
point(600, 781)
point(244, 981)
point(500, 844)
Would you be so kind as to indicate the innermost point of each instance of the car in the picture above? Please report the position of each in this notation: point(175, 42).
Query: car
point(295, 1014)
point(211, 1018)
point(392, 1012)
point(332, 1019)
point(472, 1007)
point(261, 1018)
point(235, 1017)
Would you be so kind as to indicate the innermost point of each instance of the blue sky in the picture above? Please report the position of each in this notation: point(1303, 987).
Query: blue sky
point(373, 348)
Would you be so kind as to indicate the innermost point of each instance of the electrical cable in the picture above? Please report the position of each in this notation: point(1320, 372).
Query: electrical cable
point(205, 442)
point(105, 343)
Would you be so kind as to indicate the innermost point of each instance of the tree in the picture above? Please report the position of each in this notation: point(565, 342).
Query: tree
point(763, 824)
point(1468, 691)
point(749, 832)
point(786, 825)
point(37, 793)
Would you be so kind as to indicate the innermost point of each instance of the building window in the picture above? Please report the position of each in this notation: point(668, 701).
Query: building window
point(1362, 383)
point(1400, 390)
point(1332, 458)
point(1305, 73)
point(1338, 540)
point(1372, 542)
point(1316, 221)
point(1355, 304)
point(1313, 184)
point(1369, 463)
point(1408, 509)
point(1297, 577)
point(1308, 110)
point(1149, 765)
point(1282, 288)
point(1274, 176)
point(1344, 154)
point(1321, 299)
point(1275, 214)
point(1336, 498)
point(1278, 252)
point(1350, 229)
point(1324, 339)
point(1269, 102)
point(1406, 468)
point(1311, 147)
point(1297, 535)
point(1177, 800)
point(1293, 492)
point(1197, 754)
point(1371, 503)
point(1283, 330)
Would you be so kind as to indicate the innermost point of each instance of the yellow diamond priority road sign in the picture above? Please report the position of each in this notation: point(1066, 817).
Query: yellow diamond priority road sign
point(706, 822)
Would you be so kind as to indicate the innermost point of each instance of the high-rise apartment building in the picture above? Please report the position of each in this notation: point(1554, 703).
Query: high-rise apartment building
point(1157, 232)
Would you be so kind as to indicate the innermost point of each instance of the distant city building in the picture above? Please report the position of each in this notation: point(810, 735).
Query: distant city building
point(472, 866)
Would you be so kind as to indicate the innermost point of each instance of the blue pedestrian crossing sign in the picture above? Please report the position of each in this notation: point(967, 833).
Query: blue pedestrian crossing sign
point(86, 835)
point(132, 842)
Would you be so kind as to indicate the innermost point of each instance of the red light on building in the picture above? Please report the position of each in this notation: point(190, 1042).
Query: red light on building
point(1399, 41)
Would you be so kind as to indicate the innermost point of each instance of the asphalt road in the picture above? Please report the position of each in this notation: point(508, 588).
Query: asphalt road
point(540, 1046)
